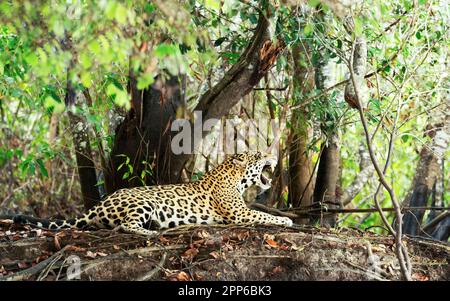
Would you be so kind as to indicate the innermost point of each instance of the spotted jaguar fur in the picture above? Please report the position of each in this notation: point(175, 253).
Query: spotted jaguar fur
point(215, 199)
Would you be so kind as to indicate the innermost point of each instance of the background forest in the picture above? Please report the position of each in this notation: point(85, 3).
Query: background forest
point(88, 91)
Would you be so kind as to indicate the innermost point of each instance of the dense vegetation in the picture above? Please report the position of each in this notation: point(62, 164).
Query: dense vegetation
point(81, 80)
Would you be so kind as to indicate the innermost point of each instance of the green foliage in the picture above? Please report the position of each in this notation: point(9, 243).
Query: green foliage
point(97, 44)
point(129, 173)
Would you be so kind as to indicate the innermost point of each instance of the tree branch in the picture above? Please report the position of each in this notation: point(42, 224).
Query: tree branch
point(401, 252)
point(237, 82)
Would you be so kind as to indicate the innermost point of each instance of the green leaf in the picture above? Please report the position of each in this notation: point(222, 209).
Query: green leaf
point(94, 46)
point(110, 10)
point(42, 168)
point(214, 4)
point(31, 168)
point(219, 41)
point(32, 59)
point(149, 8)
point(309, 28)
point(313, 3)
point(85, 60)
point(86, 79)
point(253, 18)
point(418, 35)
point(119, 96)
point(163, 50)
point(358, 27)
point(52, 104)
point(145, 80)
point(121, 14)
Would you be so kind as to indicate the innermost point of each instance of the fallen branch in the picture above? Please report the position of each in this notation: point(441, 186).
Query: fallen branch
point(436, 221)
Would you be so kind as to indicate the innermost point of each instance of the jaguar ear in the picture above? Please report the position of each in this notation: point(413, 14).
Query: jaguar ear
point(238, 162)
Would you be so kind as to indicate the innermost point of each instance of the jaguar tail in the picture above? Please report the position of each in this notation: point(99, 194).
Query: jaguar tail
point(57, 224)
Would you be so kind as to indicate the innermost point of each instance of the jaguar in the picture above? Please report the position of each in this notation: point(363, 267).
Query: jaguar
point(217, 198)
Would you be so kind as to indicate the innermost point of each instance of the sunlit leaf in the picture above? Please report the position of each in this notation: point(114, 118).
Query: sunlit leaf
point(56, 106)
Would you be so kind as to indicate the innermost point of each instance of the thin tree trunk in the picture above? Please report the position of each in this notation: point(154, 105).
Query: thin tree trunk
point(83, 153)
point(300, 165)
point(53, 133)
point(364, 175)
point(327, 175)
point(81, 140)
point(329, 162)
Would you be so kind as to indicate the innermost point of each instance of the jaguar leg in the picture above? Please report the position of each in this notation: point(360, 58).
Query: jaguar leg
point(249, 216)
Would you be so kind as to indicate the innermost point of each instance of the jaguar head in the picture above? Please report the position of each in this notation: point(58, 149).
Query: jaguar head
point(257, 169)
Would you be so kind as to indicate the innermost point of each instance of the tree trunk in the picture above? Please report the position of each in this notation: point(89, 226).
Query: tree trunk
point(144, 135)
point(426, 175)
point(329, 162)
point(83, 153)
point(238, 81)
point(327, 175)
point(300, 165)
point(365, 173)
point(438, 222)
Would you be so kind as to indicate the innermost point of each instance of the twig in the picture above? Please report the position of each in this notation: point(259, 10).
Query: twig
point(49, 267)
point(371, 274)
point(364, 210)
point(25, 274)
point(401, 252)
point(152, 273)
point(273, 210)
point(271, 89)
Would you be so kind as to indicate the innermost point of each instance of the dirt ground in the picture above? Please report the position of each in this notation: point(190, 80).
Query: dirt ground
point(213, 253)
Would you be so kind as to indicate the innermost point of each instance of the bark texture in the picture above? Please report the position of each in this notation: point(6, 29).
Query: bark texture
point(326, 181)
point(365, 173)
point(83, 153)
point(427, 172)
point(300, 165)
point(359, 68)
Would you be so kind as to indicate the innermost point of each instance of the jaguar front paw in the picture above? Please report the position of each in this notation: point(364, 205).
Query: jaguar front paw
point(286, 221)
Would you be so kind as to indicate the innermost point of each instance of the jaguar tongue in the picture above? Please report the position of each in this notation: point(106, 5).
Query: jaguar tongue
point(265, 179)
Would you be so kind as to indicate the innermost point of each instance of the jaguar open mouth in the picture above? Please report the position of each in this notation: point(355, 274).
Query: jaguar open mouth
point(265, 181)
